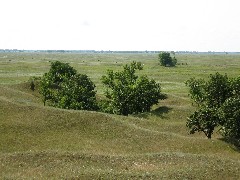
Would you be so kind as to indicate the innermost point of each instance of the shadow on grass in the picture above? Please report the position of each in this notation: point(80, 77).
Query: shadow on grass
point(160, 112)
point(235, 144)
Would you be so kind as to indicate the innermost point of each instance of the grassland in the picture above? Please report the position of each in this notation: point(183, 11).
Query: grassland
point(48, 143)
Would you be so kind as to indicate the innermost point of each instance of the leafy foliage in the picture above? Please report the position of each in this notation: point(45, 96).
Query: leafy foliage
point(230, 118)
point(77, 93)
point(60, 71)
point(197, 91)
point(218, 103)
point(217, 90)
point(210, 93)
point(62, 87)
point(203, 120)
point(166, 59)
point(128, 93)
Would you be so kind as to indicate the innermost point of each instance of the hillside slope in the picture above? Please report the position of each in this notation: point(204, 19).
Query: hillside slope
point(45, 142)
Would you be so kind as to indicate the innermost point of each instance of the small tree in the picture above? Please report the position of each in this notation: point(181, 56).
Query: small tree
point(128, 93)
point(165, 59)
point(51, 80)
point(203, 120)
point(77, 93)
point(209, 97)
point(230, 113)
point(59, 71)
point(62, 87)
point(230, 118)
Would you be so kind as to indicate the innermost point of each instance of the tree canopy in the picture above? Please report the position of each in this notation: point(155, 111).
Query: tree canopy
point(63, 87)
point(165, 59)
point(218, 105)
point(128, 93)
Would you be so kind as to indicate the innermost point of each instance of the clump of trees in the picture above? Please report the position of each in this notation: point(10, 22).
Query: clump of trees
point(218, 105)
point(128, 93)
point(165, 59)
point(217, 99)
point(63, 87)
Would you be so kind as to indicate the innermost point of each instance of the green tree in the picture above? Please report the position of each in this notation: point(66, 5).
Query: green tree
point(128, 93)
point(45, 88)
point(77, 93)
point(209, 97)
point(213, 92)
point(165, 59)
point(62, 87)
point(203, 120)
point(230, 113)
point(217, 90)
point(230, 118)
point(59, 71)
point(50, 83)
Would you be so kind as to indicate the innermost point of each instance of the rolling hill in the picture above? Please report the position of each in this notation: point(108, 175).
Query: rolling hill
point(45, 142)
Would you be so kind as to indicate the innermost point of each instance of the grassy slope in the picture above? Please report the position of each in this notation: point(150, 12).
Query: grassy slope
point(44, 142)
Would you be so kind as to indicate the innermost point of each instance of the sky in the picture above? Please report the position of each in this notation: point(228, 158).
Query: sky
point(164, 25)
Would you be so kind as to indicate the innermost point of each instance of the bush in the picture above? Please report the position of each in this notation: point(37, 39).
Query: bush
point(33, 82)
point(127, 93)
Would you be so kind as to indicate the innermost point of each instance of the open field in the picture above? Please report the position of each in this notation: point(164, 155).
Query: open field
point(49, 143)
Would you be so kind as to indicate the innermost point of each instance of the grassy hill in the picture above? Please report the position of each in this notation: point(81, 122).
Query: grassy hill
point(44, 142)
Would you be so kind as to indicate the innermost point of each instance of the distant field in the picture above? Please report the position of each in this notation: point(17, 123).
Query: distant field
point(44, 142)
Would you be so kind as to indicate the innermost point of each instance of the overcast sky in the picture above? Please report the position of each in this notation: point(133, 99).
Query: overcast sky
point(193, 25)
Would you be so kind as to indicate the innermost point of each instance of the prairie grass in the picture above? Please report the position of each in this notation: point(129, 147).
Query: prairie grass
point(49, 143)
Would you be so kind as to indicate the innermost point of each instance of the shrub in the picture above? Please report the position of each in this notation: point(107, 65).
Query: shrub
point(33, 82)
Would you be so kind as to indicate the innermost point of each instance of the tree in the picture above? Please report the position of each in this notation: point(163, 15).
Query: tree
point(230, 118)
point(166, 59)
point(59, 71)
point(77, 93)
point(212, 93)
point(230, 112)
point(217, 90)
point(62, 87)
point(45, 88)
point(51, 80)
point(209, 97)
point(128, 93)
point(203, 120)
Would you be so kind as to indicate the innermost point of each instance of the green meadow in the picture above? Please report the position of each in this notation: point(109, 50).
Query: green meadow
point(42, 142)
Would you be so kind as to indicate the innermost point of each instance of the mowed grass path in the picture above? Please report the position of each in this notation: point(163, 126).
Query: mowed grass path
point(44, 142)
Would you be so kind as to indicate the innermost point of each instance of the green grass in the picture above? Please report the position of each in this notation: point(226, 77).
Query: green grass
point(49, 143)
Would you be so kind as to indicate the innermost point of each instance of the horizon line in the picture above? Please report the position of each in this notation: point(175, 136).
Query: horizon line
point(92, 50)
